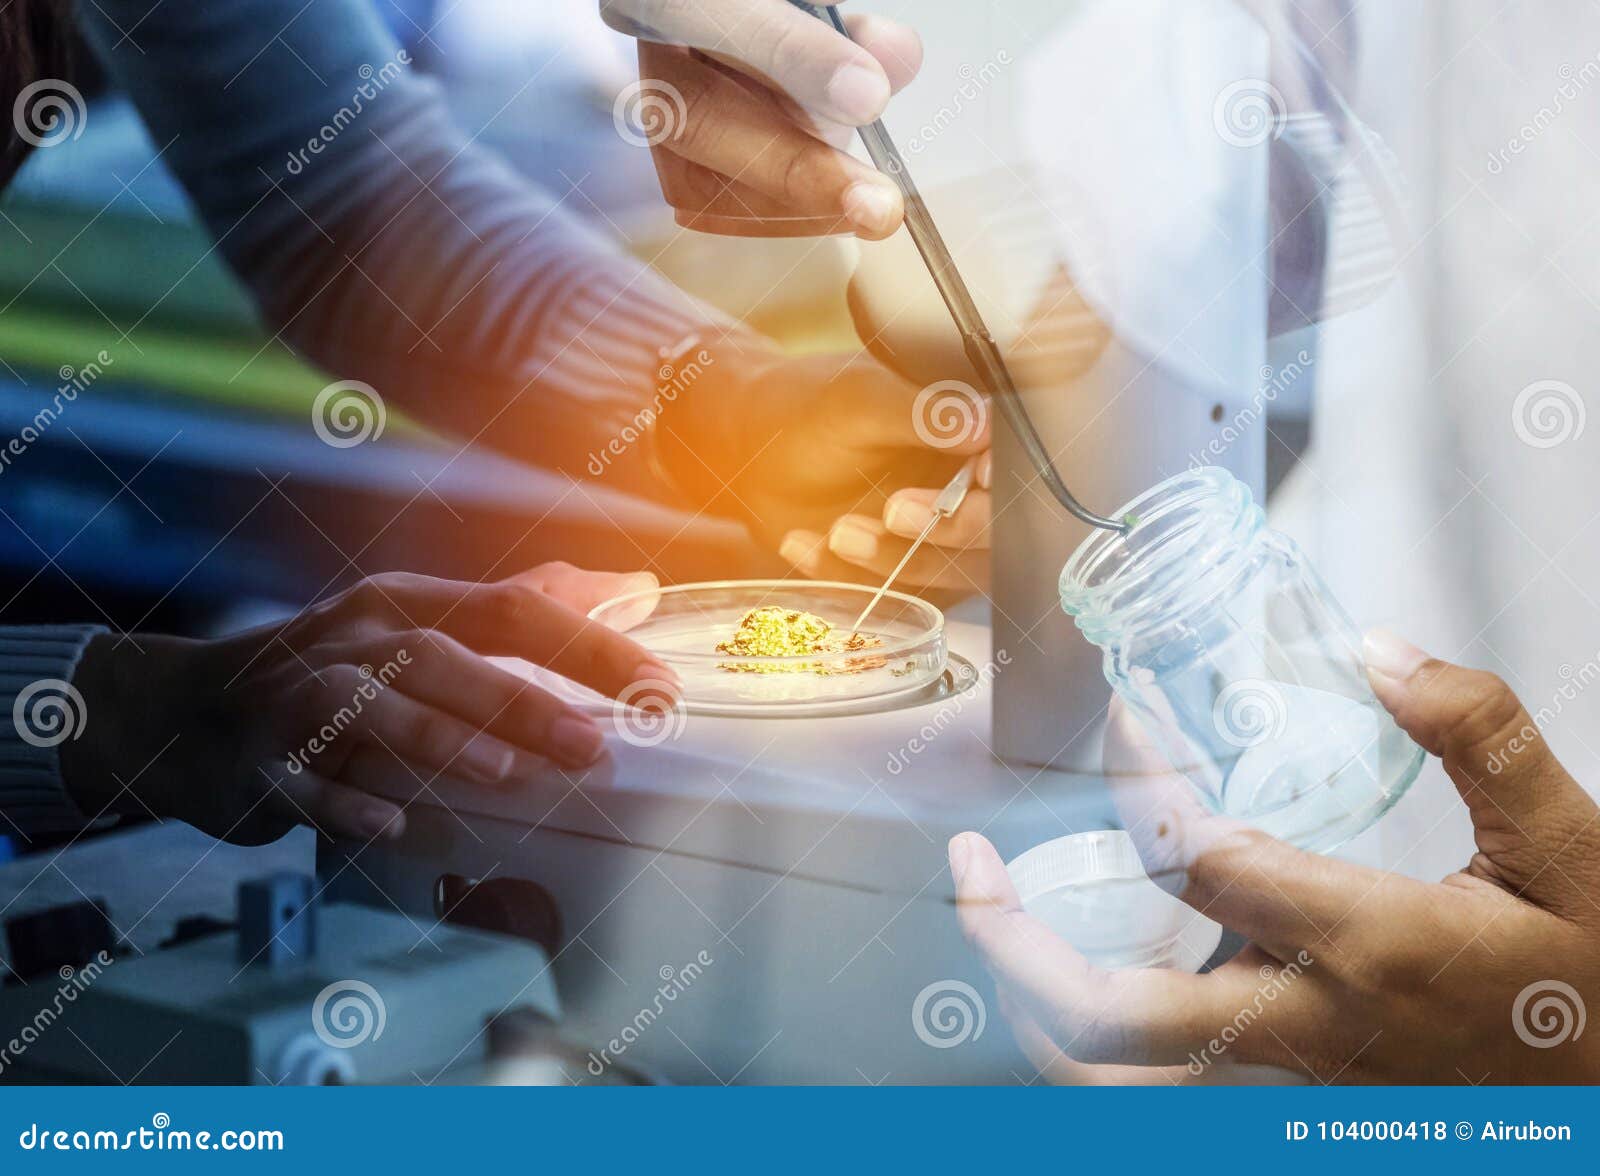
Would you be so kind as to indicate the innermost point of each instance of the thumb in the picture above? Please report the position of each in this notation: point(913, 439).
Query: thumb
point(1528, 814)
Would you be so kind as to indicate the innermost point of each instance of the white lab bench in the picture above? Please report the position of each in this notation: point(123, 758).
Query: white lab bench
point(788, 851)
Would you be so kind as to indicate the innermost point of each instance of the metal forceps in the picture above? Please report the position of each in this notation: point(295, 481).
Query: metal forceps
point(980, 347)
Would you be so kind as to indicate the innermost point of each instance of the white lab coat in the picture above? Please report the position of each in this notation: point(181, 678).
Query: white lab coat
point(1451, 488)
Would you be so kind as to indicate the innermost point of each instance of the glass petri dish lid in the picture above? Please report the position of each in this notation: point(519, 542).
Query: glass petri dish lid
point(904, 649)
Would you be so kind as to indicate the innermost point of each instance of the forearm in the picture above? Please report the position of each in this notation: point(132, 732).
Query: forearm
point(384, 246)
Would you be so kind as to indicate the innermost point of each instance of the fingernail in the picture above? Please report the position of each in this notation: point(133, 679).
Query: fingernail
point(1391, 656)
point(907, 517)
point(871, 207)
point(575, 740)
point(960, 854)
point(796, 550)
point(486, 758)
point(986, 469)
point(851, 542)
point(858, 94)
point(640, 582)
point(380, 820)
point(657, 673)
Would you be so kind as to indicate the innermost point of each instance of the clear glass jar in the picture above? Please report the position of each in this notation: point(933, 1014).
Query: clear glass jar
point(1239, 662)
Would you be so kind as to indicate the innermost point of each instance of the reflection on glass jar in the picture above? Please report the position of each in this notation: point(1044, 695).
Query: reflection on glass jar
point(1238, 661)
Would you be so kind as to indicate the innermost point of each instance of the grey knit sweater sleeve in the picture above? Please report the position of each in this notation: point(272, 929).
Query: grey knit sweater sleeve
point(39, 711)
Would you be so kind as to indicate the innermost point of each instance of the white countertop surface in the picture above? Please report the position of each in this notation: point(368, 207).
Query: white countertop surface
point(759, 792)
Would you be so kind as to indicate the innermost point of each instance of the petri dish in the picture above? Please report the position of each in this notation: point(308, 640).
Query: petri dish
point(683, 624)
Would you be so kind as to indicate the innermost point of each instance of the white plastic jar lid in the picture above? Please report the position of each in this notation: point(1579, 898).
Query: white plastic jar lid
point(1091, 889)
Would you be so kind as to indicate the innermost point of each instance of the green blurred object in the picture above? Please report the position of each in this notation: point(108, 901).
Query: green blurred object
point(131, 267)
point(76, 284)
point(73, 280)
point(218, 369)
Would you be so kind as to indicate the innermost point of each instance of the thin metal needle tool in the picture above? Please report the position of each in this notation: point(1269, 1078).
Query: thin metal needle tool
point(948, 502)
point(981, 349)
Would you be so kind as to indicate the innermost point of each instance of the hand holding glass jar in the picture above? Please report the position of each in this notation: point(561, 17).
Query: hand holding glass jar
point(1351, 974)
